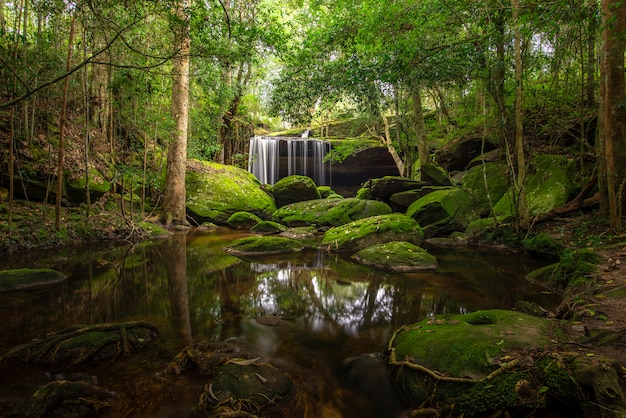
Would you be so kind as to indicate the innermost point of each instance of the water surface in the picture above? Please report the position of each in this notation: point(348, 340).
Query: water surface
point(334, 311)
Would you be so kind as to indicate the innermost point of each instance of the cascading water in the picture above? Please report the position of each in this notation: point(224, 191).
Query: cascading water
point(272, 158)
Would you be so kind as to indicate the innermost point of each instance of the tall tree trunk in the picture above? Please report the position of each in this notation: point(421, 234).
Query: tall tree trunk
point(59, 193)
point(524, 216)
point(613, 114)
point(174, 198)
point(423, 152)
point(592, 29)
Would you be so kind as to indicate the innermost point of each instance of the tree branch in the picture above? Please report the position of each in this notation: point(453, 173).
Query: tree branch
point(67, 73)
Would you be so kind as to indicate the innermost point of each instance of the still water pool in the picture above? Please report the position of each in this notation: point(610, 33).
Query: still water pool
point(331, 311)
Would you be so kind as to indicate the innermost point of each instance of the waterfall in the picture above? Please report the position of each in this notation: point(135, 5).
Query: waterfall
point(272, 158)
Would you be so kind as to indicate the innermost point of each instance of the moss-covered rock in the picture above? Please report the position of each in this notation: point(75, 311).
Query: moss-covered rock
point(217, 191)
point(153, 230)
point(385, 187)
point(483, 183)
point(28, 278)
point(292, 189)
point(442, 212)
point(370, 231)
point(76, 186)
point(243, 220)
point(465, 347)
point(268, 228)
point(435, 175)
point(549, 184)
point(263, 245)
point(397, 256)
point(329, 212)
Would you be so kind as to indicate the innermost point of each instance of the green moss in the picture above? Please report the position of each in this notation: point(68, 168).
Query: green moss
point(373, 230)
point(492, 395)
point(264, 245)
point(216, 191)
point(243, 220)
point(397, 256)
point(268, 227)
point(25, 278)
point(544, 245)
point(329, 212)
point(465, 345)
point(153, 230)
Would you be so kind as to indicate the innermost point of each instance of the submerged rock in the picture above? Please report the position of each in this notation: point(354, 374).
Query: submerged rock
point(28, 278)
point(400, 257)
point(85, 343)
point(329, 212)
point(370, 231)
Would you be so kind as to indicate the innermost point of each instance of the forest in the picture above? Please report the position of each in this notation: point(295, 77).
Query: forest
point(133, 89)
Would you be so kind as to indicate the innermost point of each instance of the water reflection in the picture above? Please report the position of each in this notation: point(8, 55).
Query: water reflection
point(331, 308)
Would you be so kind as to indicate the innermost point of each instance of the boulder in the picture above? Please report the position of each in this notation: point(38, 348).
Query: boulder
point(76, 186)
point(399, 257)
point(262, 245)
point(385, 187)
point(442, 212)
point(499, 362)
point(268, 228)
point(374, 230)
point(325, 213)
point(28, 278)
point(293, 189)
point(217, 191)
point(434, 175)
point(403, 200)
point(243, 220)
point(486, 183)
point(549, 184)
point(457, 155)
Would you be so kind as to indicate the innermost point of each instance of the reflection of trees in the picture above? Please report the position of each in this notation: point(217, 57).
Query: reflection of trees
point(175, 259)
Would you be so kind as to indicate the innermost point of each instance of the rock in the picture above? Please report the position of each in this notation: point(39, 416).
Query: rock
point(497, 184)
point(370, 231)
point(250, 387)
point(434, 175)
point(403, 200)
point(442, 212)
point(84, 343)
point(292, 189)
point(457, 155)
point(28, 278)
point(76, 186)
point(328, 212)
point(549, 184)
point(64, 398)
point(264, 245)
point(385, 187)
point(268, 228)
point(217, 191)
point(243, 220)
point(399, 257)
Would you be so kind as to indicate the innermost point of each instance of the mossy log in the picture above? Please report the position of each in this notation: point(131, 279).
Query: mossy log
point(83, 343)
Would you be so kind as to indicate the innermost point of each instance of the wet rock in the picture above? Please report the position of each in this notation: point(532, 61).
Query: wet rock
point(263, 245)
point(268, 228)
point(294, 189)
point(442, 212)
point(370, 231)
point(400, 257)
point(217, 191)
point(325, 213)
point(85, 343)
point(243, 220)
point(28, 278)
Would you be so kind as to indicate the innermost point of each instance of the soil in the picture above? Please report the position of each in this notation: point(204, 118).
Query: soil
point(597, 309)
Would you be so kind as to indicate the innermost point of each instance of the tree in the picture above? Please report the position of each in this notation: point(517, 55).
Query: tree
point(612, 112)
point(174, 199)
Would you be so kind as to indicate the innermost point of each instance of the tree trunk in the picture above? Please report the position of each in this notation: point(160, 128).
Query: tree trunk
point(423, 152)
point(62, 130)
point(174, 198)
point(592, 29)
point(613, 115)
point(524, 216)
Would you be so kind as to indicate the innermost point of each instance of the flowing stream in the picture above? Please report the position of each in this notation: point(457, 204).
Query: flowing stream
point(191, 290)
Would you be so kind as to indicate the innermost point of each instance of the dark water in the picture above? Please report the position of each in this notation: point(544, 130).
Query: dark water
point(334, 311)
